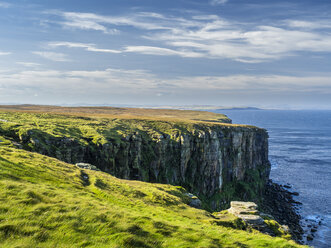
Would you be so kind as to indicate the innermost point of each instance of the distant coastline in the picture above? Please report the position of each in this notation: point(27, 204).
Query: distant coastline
point(211, 108)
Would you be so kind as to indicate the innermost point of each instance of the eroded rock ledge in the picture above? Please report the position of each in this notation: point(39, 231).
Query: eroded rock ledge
point(265, 223)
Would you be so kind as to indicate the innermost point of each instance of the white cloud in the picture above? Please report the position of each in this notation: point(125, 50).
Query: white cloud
point(218, 2)
point(132, 82)
point(205, 17)
point(59, 57)
point(309, 24)
point(90, 21)
point(207, 36)
point(87, 47)
point(161, 51)
point(4, 53)
point(268, 83)
point(129, 49)
point(28, 64)
point(220, 39)
point(67, 84)
point(86, 25)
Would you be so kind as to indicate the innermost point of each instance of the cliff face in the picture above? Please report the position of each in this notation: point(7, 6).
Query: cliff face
point(209, 162)
point(217, 161)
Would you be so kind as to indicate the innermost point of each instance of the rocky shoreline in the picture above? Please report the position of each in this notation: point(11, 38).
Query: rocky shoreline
point(278, 201)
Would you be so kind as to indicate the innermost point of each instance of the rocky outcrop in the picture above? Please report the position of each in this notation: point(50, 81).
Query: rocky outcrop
point(247, 211)
point(205, 160)
point(194, 201)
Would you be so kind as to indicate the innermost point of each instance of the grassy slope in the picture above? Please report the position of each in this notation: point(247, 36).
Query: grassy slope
point(45, 203)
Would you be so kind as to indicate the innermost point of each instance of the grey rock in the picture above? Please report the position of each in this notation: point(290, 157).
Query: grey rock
point(285, 228)
point(243, 208)
point(87, 166)
point(247, 211)
point(194, 201)
point(252, 219)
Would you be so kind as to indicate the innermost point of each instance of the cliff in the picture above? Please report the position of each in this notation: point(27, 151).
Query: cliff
point(217, 161)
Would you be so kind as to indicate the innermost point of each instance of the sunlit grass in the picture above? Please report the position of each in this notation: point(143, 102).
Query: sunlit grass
point(44, 203)
point(123, 113)
point(101, 125)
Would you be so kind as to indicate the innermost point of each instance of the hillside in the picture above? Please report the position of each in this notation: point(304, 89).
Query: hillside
point(46, 201)
point(49, 203)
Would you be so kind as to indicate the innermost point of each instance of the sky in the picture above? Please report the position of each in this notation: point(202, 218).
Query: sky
point(272, 54)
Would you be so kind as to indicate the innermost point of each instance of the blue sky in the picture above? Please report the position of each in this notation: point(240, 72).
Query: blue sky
point(177, 52)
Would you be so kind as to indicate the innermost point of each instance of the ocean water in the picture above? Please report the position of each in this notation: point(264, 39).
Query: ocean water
point(300, 154)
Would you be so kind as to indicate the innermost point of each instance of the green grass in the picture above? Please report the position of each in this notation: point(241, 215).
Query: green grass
point(96, 129)
point(104, 124)
point(101, 125)
point(123, 113)
point(47, 203)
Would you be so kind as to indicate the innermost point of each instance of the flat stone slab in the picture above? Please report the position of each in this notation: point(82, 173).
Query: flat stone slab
point(243, 208)
point(245, 205)
point(247, 211)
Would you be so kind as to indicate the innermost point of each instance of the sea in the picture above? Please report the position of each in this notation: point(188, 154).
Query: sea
point(300, 155)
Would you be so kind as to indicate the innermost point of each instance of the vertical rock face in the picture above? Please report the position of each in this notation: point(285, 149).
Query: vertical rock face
point(205, 161)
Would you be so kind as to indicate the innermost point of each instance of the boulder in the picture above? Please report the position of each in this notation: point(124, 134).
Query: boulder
point(194, 201)
point(252, 219)
point(87, 166)
point(285, 228)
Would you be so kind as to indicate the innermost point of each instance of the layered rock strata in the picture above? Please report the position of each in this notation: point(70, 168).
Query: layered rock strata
point(207, 161)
